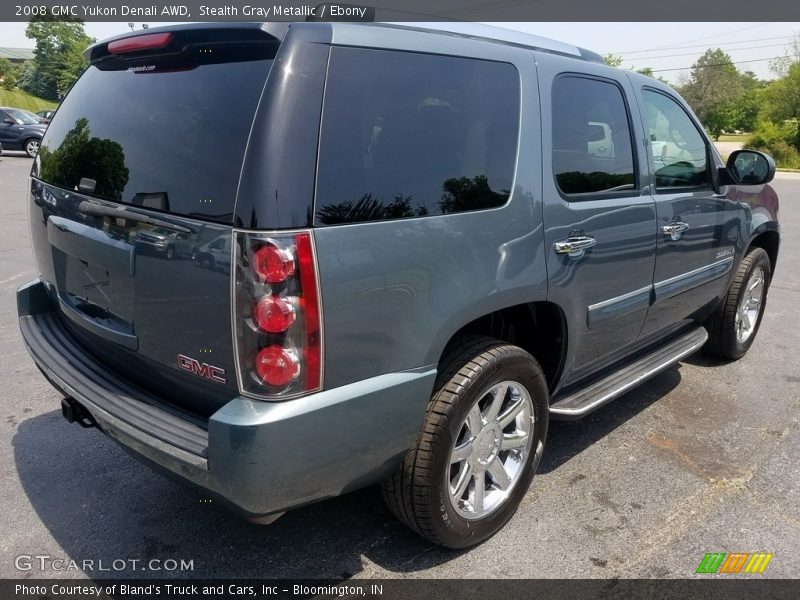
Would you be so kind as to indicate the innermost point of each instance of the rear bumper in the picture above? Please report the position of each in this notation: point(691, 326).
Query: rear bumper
point(259, 457)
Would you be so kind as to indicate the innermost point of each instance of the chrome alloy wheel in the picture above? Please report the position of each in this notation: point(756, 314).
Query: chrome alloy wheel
point(750, 306)
point(32, 148)
point(491, 450)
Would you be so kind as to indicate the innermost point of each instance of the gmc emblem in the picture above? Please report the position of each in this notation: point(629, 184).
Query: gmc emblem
point(187, 363)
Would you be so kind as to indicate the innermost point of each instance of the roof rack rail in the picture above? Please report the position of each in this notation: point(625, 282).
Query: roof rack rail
point(504, 36)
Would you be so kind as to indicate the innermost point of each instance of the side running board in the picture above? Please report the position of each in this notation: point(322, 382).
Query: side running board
point(583, 401)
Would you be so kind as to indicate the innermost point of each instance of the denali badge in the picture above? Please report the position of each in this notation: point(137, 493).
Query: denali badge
point(192, 365)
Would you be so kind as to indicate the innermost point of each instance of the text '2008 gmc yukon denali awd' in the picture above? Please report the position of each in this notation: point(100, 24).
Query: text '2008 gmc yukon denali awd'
point(398, 252)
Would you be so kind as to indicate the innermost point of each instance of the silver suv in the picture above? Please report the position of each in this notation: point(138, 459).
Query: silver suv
point(420, 246)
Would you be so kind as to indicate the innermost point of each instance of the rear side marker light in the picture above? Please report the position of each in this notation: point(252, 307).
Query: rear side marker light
point(311, 311)
point(150, 41)
point(274, 314)
point(273, 264)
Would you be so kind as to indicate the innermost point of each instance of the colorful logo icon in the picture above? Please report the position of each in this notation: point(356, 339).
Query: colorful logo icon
point(734, 562)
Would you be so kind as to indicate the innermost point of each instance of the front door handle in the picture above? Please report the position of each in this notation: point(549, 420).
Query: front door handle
point(675, 230)
point(575, 246)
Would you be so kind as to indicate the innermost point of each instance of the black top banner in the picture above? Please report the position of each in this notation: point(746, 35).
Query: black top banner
point(407, 10)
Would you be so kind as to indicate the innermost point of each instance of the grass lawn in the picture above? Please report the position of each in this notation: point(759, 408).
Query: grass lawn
point(16, 98)
point(733, 137)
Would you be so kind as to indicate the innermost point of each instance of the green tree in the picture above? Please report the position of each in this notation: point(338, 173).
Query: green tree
point(81, 155)
point(612, 60)
point(713, 90)
point(6, 67)
point(58, 56)
point(9, 73)
point(781, 98)
point(746, 108)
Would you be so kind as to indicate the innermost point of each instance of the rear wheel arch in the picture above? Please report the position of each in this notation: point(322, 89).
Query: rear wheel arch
point(539, 328)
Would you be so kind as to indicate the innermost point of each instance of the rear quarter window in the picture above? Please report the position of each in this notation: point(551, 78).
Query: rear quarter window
point(411, 135)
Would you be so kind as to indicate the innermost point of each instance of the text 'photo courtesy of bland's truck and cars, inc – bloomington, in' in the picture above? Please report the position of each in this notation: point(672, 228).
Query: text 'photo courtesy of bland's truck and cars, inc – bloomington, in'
point(297, 266)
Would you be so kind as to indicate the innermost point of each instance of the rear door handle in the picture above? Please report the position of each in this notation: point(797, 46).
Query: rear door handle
point(575, 246)
point(675, 230)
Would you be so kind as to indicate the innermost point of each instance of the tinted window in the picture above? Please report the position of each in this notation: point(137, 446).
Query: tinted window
point(408, 135)
point(592, 150)
point(22, 117)
point(161, 137)
point(678, 149)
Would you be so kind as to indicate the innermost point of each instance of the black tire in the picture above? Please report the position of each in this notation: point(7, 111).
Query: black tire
point(207, 262)
point(31, 147)
point(169, 253)
point(723, 341)
point(419, 494)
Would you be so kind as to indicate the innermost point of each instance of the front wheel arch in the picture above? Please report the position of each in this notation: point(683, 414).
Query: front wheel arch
point(769, 240)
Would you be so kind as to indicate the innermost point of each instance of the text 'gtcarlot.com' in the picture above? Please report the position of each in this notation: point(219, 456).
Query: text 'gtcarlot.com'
point(45, 562)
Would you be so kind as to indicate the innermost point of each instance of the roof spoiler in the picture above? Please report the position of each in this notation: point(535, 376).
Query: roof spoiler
point(186, 34)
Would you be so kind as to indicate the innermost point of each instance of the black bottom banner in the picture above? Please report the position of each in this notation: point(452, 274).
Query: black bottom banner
point(402, 589)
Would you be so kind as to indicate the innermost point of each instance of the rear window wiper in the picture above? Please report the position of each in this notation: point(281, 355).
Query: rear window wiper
point(98, 210)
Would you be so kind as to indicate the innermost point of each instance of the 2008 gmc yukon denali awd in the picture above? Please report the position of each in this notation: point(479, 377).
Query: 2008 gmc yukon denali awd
point(406, 249)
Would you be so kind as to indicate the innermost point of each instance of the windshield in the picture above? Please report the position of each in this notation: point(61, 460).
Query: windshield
point(23, 117)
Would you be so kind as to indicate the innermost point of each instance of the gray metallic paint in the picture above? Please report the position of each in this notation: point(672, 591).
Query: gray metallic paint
point(619, 305)
point(687, 281)
point(623, 227)
point(714, 217)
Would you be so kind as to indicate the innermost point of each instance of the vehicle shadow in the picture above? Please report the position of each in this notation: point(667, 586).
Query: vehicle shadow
point(566, 439)
point(99, 504)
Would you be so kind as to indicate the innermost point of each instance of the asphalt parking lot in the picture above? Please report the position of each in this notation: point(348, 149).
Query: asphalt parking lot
point(702, 458)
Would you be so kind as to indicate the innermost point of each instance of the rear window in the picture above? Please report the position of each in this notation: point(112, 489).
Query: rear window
point(152, 135)
point(411, 135)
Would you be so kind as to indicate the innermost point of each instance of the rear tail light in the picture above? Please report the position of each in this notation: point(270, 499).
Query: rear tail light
point(272, 263)
point(276, 315)
point(276, 366)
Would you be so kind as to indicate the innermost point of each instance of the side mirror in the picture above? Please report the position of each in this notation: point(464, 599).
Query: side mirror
point(748, 167)
point(8, 121)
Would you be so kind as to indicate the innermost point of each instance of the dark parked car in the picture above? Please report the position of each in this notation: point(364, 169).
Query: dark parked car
point(20, 130)
point(33, 115)
point(421, 245)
